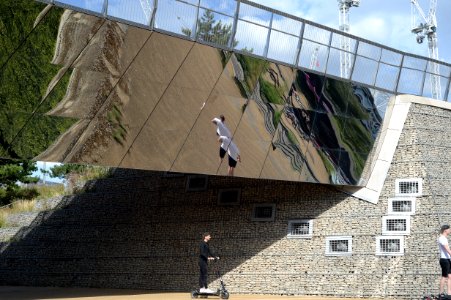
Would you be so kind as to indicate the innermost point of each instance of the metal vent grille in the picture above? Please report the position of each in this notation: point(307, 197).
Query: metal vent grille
point(196, 183)
point(401, 206)
point(300, 228)
point(339, 245)
point(408, 187)
point(229, 197)
point(390, 245)
point(263, 212)
point(399, 225)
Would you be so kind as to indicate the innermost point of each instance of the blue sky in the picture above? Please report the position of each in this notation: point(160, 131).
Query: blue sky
point(387, 22)
point(46, 166)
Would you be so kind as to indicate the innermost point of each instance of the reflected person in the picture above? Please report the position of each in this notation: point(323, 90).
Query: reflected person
point(221, 130)
point(233, 152)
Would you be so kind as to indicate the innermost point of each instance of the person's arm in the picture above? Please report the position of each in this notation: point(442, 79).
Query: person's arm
point(446, 246)
point(237, 151)
point(215, 121)
point(444, 243)
point(213, 254)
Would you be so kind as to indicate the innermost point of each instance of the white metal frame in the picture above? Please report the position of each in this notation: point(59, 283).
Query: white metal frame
point(307, 235)
point(412, 206)
point(405, 221)
point(400, 181)
point(391, 238)
point(342, 241)
point(259, 205)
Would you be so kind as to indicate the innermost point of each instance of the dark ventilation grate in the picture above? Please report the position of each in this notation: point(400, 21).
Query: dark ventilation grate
point(229, 197)
point(196, 183)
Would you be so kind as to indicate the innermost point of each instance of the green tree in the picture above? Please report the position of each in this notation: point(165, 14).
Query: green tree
point(76, 175)
point(12, 173)
point(212, 31)
point(64, 170)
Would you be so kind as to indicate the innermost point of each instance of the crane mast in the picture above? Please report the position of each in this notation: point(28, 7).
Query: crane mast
point(146, 7)
point(427, 27)
point(314, 59)
point(345, 42)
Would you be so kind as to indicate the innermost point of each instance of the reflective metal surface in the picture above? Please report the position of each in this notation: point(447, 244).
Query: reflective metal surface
point(83, 89)
point(281, 38)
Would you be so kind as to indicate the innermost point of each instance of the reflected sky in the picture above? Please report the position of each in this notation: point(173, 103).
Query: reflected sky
point(252, 35)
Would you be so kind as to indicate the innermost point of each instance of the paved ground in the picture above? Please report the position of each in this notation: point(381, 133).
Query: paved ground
point(35, 293)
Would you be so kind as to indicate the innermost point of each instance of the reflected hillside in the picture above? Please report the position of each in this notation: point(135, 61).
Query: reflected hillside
point(30, 85)
point(324, 127)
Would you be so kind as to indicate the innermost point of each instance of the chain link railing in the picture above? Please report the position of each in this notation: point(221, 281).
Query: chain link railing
point(246, 27)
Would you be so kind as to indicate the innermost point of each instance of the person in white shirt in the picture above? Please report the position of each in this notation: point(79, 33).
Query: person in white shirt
point(221, 130)
point(232, 150)
point(445, 259)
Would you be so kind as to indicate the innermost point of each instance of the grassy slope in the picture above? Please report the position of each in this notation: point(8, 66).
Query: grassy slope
point(25, 78)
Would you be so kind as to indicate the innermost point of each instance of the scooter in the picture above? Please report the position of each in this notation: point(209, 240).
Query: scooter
point(221, 292)
point(437, 297)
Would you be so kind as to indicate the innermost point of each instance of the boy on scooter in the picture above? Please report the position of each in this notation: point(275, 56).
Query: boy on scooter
point(205, 255)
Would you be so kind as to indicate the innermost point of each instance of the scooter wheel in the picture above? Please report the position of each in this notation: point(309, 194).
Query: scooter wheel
point(194, 295)
point(224, 295)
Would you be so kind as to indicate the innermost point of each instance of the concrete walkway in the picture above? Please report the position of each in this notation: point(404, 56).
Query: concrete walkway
point(35, 293)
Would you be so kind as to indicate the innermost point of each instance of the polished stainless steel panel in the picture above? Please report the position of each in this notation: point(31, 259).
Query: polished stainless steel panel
point(246, 20)
point(119, 95)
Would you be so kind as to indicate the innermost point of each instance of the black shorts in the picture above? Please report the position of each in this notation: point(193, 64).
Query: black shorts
point(232, 162)
point(446, 266)
point(222, 152)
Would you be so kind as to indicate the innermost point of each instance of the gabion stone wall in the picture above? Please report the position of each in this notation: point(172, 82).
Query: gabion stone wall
point(142, 230)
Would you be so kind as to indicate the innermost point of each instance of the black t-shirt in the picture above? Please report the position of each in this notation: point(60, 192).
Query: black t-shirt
point(205, 251)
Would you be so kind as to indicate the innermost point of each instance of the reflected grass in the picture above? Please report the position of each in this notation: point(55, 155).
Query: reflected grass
point(271, 93)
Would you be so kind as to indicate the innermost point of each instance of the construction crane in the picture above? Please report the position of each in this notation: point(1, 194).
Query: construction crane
point(345, 42)
point(427, 27)
point(147, 8)
point(314, 63)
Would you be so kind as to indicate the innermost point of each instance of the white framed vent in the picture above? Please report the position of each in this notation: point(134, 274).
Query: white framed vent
point(401, 206)
point(338, 245)
point(263, 212)
point(390, 245)
point(399, 225)
point(196, 183)
point(229, 196)
point(300, 229)
point(409, 187)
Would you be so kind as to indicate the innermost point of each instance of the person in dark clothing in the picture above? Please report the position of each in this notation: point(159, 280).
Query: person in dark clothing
point(204, 256)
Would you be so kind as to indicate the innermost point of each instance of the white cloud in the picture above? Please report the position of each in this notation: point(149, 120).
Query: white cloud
point(382, 21)
point(46, 166)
